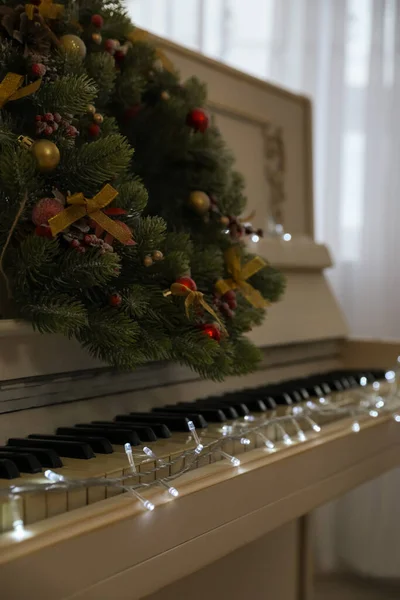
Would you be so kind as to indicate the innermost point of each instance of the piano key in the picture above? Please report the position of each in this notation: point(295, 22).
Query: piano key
point(115, 436)
point(240, 407)
point(197, 419)
point(46, 456)
point(99, 445)
point(70, 449)
point(159, 429)
point(26, 463)
point(173, 422)
point(253, 404)
point(210, 415)
point(8, 469)
point(145, 432)
point(7, 516)
point(228, 410)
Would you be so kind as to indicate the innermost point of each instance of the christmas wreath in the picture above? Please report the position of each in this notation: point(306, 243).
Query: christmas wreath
point(120, 206)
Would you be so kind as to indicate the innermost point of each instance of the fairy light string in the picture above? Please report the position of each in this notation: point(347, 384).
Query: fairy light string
point(369, 404)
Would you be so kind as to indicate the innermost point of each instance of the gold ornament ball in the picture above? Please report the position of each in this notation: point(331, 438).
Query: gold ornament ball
point(98, 118)
point(224, 220)
point(200, 202)
point(158, 255)
point(47, 155)
point(148, 261)
point(96, 38)
point(73, 43)
point(91, 109)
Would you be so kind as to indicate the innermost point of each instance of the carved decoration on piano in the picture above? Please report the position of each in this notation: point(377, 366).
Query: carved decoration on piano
point(275, 175)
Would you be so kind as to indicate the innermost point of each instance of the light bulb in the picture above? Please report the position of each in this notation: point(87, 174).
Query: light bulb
point(270, 445)
point(235, 461)
point(363, 381)
point(380, 403)
point(376, 386)
point(255, 238)
point(396, 417)
point(301, 436)
point(199, 448)
point(287, 439)
point(245, 441)
point(287, 237)
point(373, 413)
point(149, 505)
point(173, 492)
point(356, 427)
point(149, 452)
point(249, 418)
point(53, 477)
point(316, 427)
point(390, 376)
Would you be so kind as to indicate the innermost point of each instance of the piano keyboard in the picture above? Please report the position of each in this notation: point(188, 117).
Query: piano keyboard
point(96, 448)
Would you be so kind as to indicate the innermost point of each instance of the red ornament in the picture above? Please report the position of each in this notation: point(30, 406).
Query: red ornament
point(49, 117)
point(97, 21)
point(212, 331)
point(132, 111)
point(198, 119)
point(48, 130)
point(94, 130)
point(75, 243)
point(38, 69)
point(45, 209)
point(187, 282)
point(115, 300)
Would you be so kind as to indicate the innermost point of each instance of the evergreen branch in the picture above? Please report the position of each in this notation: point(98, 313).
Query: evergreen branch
point(88, 168)
point(87, 270)
point(17, 172)
point(150, 233)
point(101, 68)
point(55, 314)
point(9, 236)
point(68, 95)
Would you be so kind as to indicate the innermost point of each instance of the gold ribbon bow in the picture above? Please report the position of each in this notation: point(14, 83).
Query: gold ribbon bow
point(239, 275)
point(47, 10)
point(140, 35)
point(193, 299)
point(10, 88)
point(81, 206)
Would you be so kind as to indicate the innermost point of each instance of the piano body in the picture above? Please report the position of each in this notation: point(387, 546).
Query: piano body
point(233, 532)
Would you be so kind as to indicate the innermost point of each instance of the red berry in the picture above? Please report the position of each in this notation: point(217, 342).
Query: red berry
point(71, 131)
point(109, 46)
point(94, 130)
point(38, 118)
point(115, 300)
point(212, 331)
point(81, 249)
point(229, 295)
point(74, 243)
point(57, 117)
point(198, 119)
point(48, 130)
point(97, 21)
point(49, 117)
point(187, 282)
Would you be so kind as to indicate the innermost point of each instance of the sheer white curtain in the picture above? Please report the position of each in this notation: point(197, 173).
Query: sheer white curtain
point(345, 54)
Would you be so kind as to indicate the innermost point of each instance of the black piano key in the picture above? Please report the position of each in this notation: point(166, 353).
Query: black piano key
point(197, 419)
point(8, 469)
point(211, 415)
point(254, 404)
point(173, 422)
point(46, 456)
point(159, 429)
point(99, 445)
point(118, 437)
point(228, 410)
point(26, 463)
point(240, 407)
point(145, 432)
point(67, 449)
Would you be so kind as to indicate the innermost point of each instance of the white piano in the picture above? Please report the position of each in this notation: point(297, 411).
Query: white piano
point(233, 532)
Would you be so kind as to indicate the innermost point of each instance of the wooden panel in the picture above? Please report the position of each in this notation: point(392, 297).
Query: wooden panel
point(266, 568)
